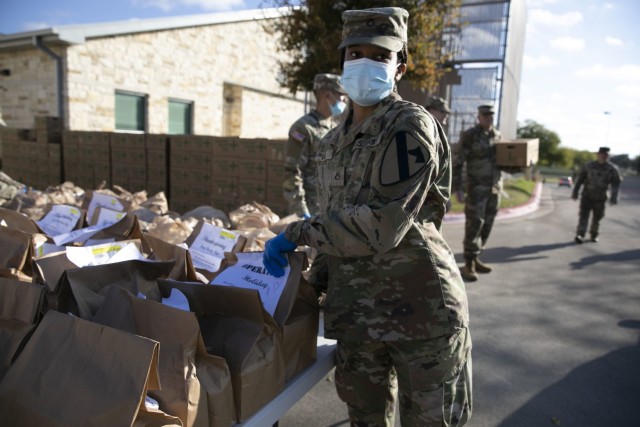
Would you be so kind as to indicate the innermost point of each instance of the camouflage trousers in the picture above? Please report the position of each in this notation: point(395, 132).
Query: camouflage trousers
point(480, 210)
point(433, 378)
point(319, 273)
point(588, 205)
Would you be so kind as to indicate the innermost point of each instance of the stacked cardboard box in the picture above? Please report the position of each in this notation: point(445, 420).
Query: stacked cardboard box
point(86, 158)
point(28, 162)
point(275, 177)
point(128, 161)
point(190, 171)
point(48, 130)
point(157, 158)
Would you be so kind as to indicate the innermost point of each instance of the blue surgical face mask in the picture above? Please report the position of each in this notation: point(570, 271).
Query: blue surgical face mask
point(368, 82)
point(337, 108)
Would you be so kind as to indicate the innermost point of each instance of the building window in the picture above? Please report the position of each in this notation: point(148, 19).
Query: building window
point(131, 111)
point(180, 117)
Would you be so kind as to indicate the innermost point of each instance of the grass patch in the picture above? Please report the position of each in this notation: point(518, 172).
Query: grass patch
point(518, 190)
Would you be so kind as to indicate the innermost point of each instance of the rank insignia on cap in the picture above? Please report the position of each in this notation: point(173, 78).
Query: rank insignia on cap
point(297, 135)
point(404, 157)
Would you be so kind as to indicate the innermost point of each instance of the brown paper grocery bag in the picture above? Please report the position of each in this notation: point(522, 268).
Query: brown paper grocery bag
point(20, 307)
point(297, 315)
point(48, 270)
point(300, 331)
point(73, 372)
point(18, 221)
point(89, 285)
point(183, 269)
point(234, 325)
point(196, 386)
point(155, 418)
point(17, 250)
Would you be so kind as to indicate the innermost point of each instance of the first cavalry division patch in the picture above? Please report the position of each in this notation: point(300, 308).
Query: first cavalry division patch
point(404, 157)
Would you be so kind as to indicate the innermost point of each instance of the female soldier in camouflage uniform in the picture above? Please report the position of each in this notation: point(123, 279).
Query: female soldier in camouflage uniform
point(396, 302)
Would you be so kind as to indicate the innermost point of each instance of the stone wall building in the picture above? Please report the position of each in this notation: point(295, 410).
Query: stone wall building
point(209, 74)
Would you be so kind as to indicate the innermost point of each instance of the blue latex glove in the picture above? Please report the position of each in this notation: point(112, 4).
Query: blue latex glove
point(273, 258)
point(306, 216)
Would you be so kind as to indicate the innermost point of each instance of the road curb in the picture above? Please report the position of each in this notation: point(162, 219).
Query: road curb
point(506, 213)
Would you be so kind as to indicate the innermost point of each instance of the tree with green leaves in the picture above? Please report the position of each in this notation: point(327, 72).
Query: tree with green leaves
point(312, 29)
point(549, 154)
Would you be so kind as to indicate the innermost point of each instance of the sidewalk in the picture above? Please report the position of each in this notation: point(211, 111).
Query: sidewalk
point(530, 206)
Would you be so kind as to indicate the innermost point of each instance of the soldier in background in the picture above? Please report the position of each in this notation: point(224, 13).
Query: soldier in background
point(483, 185)
point(300, 165)
point(304, 143)
point(438, 109)
point(396, 302)
point(596, 176)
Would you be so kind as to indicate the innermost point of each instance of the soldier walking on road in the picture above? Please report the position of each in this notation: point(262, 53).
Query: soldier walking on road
point(483, 184)
point(396, 302)
point(596, 176)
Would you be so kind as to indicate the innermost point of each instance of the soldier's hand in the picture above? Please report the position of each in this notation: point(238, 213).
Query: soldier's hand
point(460, 196)
point(613, 202)
point(574, 197)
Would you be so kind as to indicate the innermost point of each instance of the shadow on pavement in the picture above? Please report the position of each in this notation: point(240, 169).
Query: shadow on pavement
point(503, 254)
point(623, 256)
point(600, 393)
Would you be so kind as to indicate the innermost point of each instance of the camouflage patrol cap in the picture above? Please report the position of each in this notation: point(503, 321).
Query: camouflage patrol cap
point(486, 109)
point(328, 82)
point(438, 104)
point(385, 27)
point(604, 150)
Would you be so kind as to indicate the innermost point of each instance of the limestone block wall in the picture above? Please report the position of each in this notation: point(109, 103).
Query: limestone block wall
point(189, 64)
point(30, 90)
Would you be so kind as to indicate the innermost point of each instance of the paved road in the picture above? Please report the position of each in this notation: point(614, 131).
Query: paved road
point(556, 326)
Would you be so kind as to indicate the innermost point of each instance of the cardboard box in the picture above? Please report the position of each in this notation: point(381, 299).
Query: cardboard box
point(225, 167)
point(252, 148)
point(250, 190)
point(252, 169)
point(517, 152)
point(275, 172)
point(277, 150)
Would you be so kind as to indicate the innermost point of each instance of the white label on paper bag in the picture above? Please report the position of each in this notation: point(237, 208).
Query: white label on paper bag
point(208, 248)
point(109, 216)
point(83, 256)
point(60, 219)
point(80, 235)
point(48, 248)
point(250, 273)
point(103, 200)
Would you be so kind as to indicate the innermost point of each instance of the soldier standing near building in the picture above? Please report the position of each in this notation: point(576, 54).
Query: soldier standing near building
point(596, 176)
point(483, 185)
point(438, 108)
point(304, 143)
point(300, 188)
point(396, 302)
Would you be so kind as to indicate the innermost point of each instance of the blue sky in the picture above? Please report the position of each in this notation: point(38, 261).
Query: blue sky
point(581, 72)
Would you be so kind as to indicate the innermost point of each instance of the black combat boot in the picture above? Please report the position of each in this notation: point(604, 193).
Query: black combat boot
point(579, 239)
point(468, 272)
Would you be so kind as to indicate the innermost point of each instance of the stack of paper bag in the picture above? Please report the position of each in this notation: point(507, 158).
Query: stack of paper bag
point(20, 306)
point(196, 386)
point(235, 326)
point(290, 301)
point(73, 372)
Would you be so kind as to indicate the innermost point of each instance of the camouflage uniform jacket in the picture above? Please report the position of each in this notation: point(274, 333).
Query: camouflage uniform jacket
point(596, 178)
point(300, 166)
point(477, 149)
point(391, 274)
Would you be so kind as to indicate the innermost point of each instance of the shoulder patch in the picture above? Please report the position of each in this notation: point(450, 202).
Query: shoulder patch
point(403, 158)
point(297, 136)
